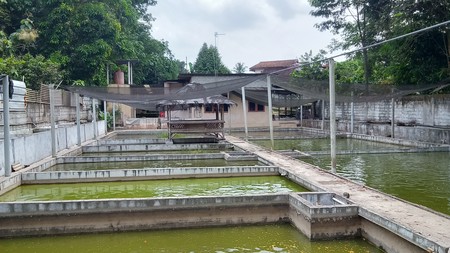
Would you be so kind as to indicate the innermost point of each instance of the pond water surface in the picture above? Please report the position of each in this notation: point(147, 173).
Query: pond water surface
point(421, 178)
point(230, 186)
point(151, 164)
point(255, 239)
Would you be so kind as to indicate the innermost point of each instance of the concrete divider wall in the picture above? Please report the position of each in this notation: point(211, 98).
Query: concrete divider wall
point(65, 217)
point(144, 174)
point(31, 148)
point(156, 157)
point(109, 215)
point(153, 147)
point(401, 231)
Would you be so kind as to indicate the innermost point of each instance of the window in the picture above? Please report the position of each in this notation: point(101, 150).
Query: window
point(213, 108)
point(254, 107)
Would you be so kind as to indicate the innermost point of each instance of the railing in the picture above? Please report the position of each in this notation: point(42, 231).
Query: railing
point(214, 127)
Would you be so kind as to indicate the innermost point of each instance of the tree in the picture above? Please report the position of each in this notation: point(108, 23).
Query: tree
point(209, 61)
point(312, 66)
point(349, 18)
point(415, 59)
point(85, 36)
point(240, 68)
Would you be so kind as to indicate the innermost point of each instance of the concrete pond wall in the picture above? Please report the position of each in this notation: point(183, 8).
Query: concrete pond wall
point(318, 221)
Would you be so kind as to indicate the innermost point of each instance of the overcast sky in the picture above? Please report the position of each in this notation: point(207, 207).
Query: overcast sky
point(254, 30)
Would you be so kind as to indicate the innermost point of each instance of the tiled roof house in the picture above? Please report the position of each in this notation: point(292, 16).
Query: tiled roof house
point(271, 66)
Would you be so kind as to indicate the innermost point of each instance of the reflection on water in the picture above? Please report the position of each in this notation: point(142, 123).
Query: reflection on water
point(323, 144)
point(421, 178)
point(151, 164)
point(262, 239)
point(232, 186)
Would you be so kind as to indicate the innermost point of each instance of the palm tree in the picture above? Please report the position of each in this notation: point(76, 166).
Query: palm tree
point(239, 68)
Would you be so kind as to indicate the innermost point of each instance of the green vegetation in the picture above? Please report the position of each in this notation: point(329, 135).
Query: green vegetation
point(416, 59)
point(73, 41)
point(209, 61)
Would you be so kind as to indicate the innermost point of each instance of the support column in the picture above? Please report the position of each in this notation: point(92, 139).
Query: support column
point(105, 116)
point(77, 101)
point(94, 118)
point(129, 73)
point(393, 118)
point(269, 98)
point(433, 113)
point(229, 115)
point(301, 116)
point(6, 135)
point(352, 115)
point(332, 116)
point(323, 115)
point(114, 116)
point(244, 108)
point(52, 119)
point(107, 73)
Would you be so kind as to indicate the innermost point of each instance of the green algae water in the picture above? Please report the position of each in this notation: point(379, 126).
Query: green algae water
point(151, 164)
point(231, 186)
point(421, 178)
point(153, 152)
point(323, 144)
point(259, 239)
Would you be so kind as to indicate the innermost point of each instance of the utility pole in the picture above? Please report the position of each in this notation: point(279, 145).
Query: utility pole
point(216, 34)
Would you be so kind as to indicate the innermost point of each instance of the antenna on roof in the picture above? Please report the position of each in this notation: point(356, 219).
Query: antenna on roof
point(216, 34)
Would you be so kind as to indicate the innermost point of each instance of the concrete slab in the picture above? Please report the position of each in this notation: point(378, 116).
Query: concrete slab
point(423, 227)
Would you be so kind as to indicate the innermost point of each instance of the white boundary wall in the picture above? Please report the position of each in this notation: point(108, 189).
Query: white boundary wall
point(31, 148)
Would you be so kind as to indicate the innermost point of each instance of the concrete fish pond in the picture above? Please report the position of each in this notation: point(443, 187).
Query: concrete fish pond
point(274, 238)
point(338, 216)
point(422, 178)
point(227, 186)
point(274, 190)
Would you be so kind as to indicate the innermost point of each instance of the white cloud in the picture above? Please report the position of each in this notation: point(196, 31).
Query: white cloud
point(255, 30)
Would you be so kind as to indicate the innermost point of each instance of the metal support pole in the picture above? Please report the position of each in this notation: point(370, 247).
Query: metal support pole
point(105, 114)
point(229, 115)
point(244, 108)
point(301, 116)
point(332, 116)
point(393, 118)
point(114, 116)
point(433, 113)
point(352, 115)
point(323, 115)
point(77, 101)
point(129, 73)
point(6, 136)
point(107, 73)
point(94, 117)
point(52, 119)
point(169, 119)
point(269, 98)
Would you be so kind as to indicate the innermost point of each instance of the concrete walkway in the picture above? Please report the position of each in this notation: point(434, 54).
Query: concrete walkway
point(426, 229)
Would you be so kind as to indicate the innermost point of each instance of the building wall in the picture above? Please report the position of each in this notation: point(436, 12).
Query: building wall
point(235, 117)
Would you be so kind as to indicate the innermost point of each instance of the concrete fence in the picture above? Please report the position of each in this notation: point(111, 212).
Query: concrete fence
point(31, 148)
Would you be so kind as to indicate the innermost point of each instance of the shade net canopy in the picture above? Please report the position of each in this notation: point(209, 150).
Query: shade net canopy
point(345, 92)
point(287, 91)
point(147, 98)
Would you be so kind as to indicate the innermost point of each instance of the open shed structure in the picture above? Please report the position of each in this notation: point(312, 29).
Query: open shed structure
point(211, 127)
